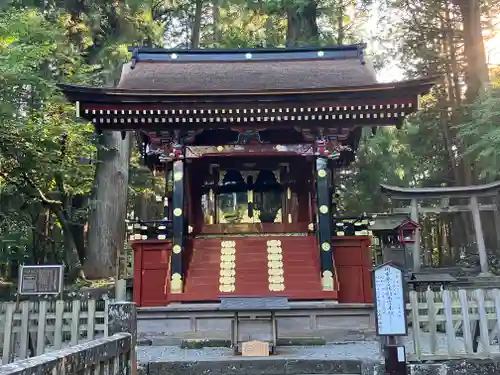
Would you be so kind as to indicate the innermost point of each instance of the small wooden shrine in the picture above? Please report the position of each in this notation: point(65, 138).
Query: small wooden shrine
point(248, 140)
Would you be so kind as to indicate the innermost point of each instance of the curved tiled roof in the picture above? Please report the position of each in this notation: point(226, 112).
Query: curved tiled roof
point(259, 75)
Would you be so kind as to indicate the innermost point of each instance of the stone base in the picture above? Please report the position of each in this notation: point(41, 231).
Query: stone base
point(328, 321)
point(459, 367)
point(260, 366)
point(236, 365)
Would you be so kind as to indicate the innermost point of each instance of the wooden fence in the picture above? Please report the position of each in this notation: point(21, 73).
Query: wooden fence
point(108, 355)
point(454, 324)
point(31, 328)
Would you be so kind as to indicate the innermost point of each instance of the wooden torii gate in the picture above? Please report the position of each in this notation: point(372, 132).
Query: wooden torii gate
point(444, 194)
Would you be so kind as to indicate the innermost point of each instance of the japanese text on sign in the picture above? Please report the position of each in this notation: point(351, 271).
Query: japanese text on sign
point(40, 280)
point(390, 301)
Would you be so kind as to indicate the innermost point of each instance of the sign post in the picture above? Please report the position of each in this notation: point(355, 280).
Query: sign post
point(40, 280)
point(390, 315)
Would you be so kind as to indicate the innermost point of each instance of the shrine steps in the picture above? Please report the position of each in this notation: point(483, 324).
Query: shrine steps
point(300, 264)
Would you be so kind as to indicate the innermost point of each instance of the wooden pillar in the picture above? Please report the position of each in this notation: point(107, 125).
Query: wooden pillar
point(178, 228)
point(416, 245)
point(478, 229)
point(323, 202)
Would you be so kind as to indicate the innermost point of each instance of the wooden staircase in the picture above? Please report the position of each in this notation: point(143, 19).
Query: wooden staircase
point(202, 276)
point(301, 267)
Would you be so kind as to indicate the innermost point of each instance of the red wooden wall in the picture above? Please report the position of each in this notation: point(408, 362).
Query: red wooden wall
point(353, 260)
point(300, 264)
point(151, 272)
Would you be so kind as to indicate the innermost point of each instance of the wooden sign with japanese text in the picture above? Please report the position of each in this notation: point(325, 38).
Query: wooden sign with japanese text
point(390, 302)
point(43, 279)
point(255, 349)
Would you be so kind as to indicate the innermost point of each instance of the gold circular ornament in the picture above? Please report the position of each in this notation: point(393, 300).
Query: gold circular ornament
point(322, 173)
point(178, 176)
point(176, 249)
point(177, 212)
point(275, 272)
point(275, 257)
point(220, 148)
point(325, 246)
point(228, 272)
point(323, 209)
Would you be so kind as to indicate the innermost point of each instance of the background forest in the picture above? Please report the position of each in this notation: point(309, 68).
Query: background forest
point(65, 192)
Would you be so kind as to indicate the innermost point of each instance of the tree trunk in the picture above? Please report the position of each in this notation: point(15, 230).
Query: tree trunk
point(216, 19)
point(477, 67)
point(302, 26)
point(108, 206)
point(78, 226)
point(72, 259)
point(195, 31)
point(340, 24)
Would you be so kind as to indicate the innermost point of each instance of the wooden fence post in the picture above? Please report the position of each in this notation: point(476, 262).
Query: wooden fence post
point(122, 317)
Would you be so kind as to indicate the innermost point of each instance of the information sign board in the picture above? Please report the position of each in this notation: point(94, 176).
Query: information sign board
point(390, 303)
point(40, 279)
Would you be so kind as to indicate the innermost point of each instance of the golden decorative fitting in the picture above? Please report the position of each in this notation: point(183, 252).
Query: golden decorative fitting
point(288, 193)
point(274, 250)
point(178, 176)
point(323, 209)
point(327, 281)
point(190, 229)
point(177, 249)
point(310, 227)
point(177, 212)
point(176, 283)
point(276, 279)
point(325, 246)
point(273, 243)
point(227, 280)
point(211, 195)
point(275, 272)
point(228, 251)
point(276, 257)
point(275, 266)
point(321, 173)
point(226, 288)
point(228, 258)
point(276, 287)
point(220, 148)
point(340, 234)
point(227, 271)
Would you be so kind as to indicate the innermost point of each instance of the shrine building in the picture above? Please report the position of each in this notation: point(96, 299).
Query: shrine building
point(249, 141)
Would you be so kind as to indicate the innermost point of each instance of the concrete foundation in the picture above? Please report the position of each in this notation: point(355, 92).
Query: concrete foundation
point(330, 321)
point(282, 366)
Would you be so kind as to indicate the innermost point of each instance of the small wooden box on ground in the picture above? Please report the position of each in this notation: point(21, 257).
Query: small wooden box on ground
point(255, 348)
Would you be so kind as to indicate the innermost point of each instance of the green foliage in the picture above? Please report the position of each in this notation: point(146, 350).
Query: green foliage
point(47, 157)
point(483, 135)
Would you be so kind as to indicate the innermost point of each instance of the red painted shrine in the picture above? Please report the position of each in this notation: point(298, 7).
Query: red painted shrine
point(248, 142)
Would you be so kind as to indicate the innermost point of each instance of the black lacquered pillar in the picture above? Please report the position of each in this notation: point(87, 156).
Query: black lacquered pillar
point(178, 227)
point(324, 227)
